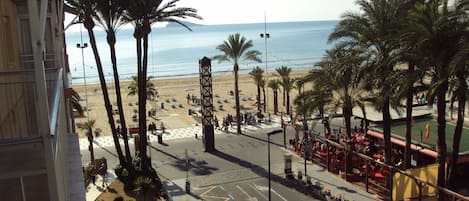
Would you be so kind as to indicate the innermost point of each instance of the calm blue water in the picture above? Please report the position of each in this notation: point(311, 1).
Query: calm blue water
point(174, 51)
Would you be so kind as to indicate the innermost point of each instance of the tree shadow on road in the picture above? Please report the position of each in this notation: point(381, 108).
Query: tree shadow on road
point(197, 167)
point(260, 139)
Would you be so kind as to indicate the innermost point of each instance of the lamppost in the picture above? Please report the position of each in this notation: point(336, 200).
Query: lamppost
point(82, 46)
point(265, 35)
point(272, 132)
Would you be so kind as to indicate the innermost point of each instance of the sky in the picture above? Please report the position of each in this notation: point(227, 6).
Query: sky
point(252, 11)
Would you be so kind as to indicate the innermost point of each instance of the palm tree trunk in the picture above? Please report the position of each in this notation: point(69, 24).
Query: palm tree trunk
point(142, 144)
point(258, 97)
point(362, 107)
point(265, 102)
point(441, 142)
point(91, 148)
point(347, 111)
point(452, 177)
point(387, 136)
point(111, 39)
point(408, 131)
point(238, 115)
point(284, 95)
point(142, 94)
point(107, 103)
point(275, 102)
point(288, 102)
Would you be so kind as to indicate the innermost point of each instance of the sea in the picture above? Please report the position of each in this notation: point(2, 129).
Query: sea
point(175, 51)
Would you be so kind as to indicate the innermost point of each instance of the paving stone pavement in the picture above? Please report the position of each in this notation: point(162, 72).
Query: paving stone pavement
point(172, 134)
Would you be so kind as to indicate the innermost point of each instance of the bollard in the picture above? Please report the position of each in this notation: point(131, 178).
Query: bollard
point(196, 137)
point(300, 176)
point(188, 186)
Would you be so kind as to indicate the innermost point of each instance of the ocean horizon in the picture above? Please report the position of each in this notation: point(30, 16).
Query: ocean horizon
point(175, 51)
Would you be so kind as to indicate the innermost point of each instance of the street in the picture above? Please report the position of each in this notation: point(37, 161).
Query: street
point(237, 170)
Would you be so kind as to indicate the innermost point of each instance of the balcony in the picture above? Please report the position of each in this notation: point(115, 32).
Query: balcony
point(27, 157)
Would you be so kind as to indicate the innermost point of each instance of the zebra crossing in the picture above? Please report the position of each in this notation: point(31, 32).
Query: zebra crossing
point(173, 134)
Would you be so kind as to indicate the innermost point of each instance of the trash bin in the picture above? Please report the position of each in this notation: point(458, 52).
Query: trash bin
point(162, 105)
point(189, 111)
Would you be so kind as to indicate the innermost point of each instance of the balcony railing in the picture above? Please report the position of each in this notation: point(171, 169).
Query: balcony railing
point(18, 119)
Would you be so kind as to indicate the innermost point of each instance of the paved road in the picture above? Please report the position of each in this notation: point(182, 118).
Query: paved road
point(236, 171)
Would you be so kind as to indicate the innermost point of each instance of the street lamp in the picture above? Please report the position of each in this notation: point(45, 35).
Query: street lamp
point(265, 35)
point(82, 46)
point(272, 132)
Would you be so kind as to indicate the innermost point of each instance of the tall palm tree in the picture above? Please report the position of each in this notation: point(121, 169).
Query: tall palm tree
point(374, 29)
point(257, 75)
point(142, 14)
point(151, 89)
point(341, 71)
point(288, 85)
point(275, 85)
point(439, 35)
point(284, 73)
point(262, 84)
point(459, 69)
point(86, 10)
point(109, 16)
point(88, 128)
point(236, 49)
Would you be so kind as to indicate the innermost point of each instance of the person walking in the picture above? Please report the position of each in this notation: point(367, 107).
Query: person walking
point(162, 127)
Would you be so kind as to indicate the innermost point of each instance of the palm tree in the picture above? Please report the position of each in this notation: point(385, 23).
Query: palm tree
point(317, 99)
point(462, 86)
point(284, 73)
point(75, 102)
point(275, 85)
point(257, 75)
point(236, 49)
point(459, 69)
point(109, 16)
point(86, 10)
point(288, 85)
point(440, 36)
point(88, 128)
point(341, 72)
point(263, 83)
point(374, 30)
point(142, 14)
point(151, 89)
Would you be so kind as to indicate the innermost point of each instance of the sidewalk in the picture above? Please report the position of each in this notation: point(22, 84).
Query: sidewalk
point(172, 134)
point(332, 182)
point(176, 189)
point(94, 190)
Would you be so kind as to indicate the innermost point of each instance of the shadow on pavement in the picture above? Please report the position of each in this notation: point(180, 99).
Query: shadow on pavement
point(260, 139)
point(197, 167)
point(105, 149)
point(263, 173)
point(175, 190)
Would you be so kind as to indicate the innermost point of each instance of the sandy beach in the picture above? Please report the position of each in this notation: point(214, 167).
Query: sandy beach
point(172, 92)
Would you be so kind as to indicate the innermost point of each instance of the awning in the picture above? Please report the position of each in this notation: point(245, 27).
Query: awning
point(401, 143)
